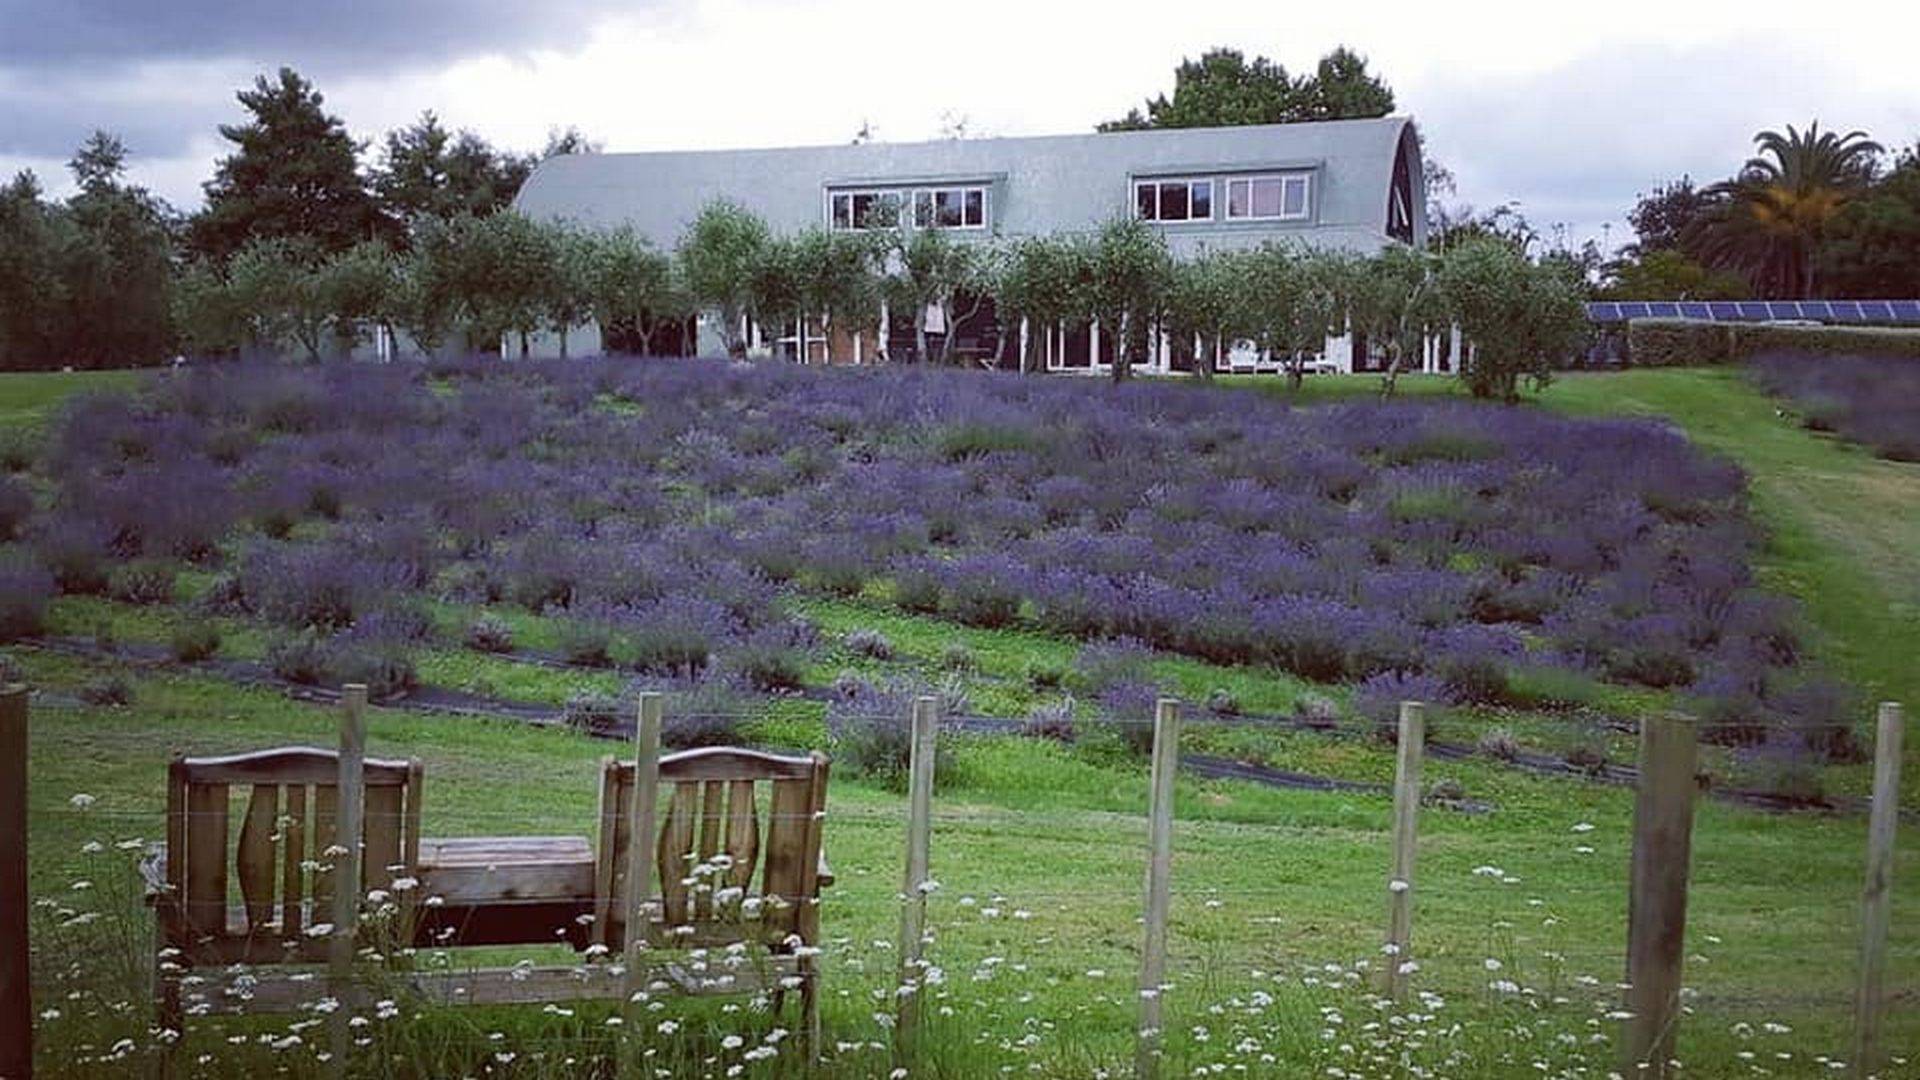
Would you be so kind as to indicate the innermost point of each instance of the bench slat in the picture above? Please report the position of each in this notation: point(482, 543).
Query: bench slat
point(254, 858)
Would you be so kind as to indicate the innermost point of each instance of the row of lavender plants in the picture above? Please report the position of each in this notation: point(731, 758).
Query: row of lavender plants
point(1871, 400)
point(1415, 549)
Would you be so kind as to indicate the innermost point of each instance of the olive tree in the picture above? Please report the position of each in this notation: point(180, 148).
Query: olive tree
point(773, 293)
point(1520, 318)
point(932, 268)
point(717, 255)
point(839, 279)
point(1205, 302)
point(1395, 300)
point(1322, 282)
point(356, 288)
point(631, 284)
point(569, 300)
point(424, 303)
point(1130, 271)
point(277, 283)
point(1046, 280)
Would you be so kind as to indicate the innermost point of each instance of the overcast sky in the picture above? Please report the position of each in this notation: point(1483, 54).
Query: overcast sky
point(1568, 112)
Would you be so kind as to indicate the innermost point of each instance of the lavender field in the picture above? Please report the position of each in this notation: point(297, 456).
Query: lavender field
point(1432, 550)
point(1871, 400)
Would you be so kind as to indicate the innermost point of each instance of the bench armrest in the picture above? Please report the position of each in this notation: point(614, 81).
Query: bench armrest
point(824, 873)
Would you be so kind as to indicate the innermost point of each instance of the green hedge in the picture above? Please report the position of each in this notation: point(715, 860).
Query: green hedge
point(1676, 342)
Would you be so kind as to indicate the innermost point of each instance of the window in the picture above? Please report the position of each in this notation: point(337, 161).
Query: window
point(950, 208)
point(1174, 200)
point(1280, 197)
point(865, 209)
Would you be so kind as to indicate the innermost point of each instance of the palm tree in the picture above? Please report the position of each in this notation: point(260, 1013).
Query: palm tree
point(1771, 216)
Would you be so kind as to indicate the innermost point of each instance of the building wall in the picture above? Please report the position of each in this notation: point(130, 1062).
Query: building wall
point(1035, 186)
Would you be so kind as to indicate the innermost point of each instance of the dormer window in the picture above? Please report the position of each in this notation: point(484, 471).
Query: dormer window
point(865, 210)
point(950, 208)
point(1269, 198)
point(1173, 200)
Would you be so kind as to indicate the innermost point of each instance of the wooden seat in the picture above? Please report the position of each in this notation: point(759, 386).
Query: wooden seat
point(283, 858)
point(737, 859)
point(505, 890)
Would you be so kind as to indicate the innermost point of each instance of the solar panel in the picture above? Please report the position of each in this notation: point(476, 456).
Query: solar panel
point(1906, 310)
point(1695, 310)
point(1877, 309)
point(1664, 309)
point(1815, 309)
point(1723, 309)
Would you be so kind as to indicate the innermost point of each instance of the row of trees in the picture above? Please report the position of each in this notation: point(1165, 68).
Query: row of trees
point(1814, 213)
point(91, 280)
point(471, 281)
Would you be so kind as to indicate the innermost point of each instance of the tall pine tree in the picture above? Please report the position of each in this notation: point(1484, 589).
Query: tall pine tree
point(293, 175)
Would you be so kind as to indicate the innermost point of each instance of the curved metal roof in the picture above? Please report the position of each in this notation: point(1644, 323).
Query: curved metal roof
point(1037, 185)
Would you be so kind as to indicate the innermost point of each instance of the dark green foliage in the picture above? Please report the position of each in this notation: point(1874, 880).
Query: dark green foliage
point(1223, 88)
point(427, 170)
point(293, 173)
point(194, 641)
point(1680, 342)
point(142, 581)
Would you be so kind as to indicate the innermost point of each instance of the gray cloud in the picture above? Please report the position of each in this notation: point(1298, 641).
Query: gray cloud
point(1577, 144)
point(342, 35)
point(160, 74)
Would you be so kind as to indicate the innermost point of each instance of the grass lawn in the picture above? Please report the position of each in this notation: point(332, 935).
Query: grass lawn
point(27, 398)
point(1040, 848)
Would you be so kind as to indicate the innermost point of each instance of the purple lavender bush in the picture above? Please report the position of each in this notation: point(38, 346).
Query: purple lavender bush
point(1871, 400)
point(1356, 543)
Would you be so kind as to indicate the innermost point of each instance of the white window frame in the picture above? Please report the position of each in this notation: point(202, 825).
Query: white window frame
point(853, 224)
point(1189, 182)
point(932, 197)
point(1304, 179)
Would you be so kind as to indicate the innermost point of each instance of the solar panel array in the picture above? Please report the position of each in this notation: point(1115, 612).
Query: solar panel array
point(1836, 311)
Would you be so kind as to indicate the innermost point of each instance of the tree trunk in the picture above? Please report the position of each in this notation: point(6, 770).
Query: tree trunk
point(563, 342)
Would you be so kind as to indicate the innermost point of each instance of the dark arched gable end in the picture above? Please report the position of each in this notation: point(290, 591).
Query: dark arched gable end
point(1405, 204)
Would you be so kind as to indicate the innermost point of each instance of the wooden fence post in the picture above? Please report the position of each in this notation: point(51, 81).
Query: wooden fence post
point(913, 886)
point(349, 835)
point(16, 987)
point(1153, 957)
point(1876, 911)
point(1406, 837)
point(1657, 896)
point(640, 822)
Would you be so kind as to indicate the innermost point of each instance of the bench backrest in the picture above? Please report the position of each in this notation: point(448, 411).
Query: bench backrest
point(287, 835)
point(733, 819)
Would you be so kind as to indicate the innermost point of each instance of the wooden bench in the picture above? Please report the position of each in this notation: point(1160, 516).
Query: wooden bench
point(283, 858)
point(735, 860)
point(732, 866)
